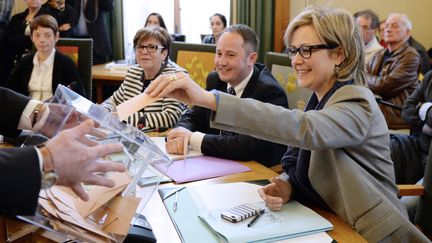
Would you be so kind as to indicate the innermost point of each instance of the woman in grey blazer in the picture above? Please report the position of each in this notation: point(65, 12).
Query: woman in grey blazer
point(339, 157)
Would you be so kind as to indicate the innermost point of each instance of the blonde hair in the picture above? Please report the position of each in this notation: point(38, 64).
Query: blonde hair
point(335, 27)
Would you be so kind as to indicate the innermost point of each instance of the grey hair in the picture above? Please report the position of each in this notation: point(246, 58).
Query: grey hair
point(335, 27)
point(405, 20)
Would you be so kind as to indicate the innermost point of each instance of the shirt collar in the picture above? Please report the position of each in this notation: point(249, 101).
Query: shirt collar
point(47, 62)
point(242, 85)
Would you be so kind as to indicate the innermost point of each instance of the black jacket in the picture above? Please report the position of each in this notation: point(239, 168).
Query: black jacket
point(262, 86)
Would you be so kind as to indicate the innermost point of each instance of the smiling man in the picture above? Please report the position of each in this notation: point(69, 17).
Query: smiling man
point(237, 73)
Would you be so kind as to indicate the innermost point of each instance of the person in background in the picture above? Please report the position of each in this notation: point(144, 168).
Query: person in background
point(421, 50)
point(26, 170)
point(5, 13)
point(340, 157)
point(393, 72)
point(368, 22)
point(17, 37)
point(155, 19)
point(152, 46)
point(381, 34)
point(217, 24)
point(92, 24)
point(237, 73)
point(64, 14)
point(38, 74)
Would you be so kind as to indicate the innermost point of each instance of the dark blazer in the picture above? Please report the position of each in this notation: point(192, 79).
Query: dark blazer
point(64, 72)
point(20, 175)
point(262, 86)
point(96, 26)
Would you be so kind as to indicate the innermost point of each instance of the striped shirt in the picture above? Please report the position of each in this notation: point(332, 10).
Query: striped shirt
point(164, 112)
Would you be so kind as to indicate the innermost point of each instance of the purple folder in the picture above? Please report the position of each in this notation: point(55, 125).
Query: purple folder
point(200, 168)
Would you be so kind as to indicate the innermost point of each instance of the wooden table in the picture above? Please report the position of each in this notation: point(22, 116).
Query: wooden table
point(107, 74)
point(164, 229)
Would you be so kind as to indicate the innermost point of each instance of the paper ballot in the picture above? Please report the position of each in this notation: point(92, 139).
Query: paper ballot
point(127, 108)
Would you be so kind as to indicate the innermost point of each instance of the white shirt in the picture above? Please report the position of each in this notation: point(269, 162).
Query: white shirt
point(197, 137)
point(371, 48)
point(40, 84)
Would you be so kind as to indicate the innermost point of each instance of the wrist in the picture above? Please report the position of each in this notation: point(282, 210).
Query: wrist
point(35, 114)
point(212, 99)
point(49, 174)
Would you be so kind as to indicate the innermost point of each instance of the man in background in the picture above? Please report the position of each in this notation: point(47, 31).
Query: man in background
point(91, 24)
point(238, 74)
point(368, 23)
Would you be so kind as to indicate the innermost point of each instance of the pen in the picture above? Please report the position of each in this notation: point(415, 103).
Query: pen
point(255, 218)
point(175, 201)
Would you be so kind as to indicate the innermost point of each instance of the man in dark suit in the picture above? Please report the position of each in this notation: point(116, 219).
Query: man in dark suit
point(236, 70)
point(24, 171)
point(91, 24)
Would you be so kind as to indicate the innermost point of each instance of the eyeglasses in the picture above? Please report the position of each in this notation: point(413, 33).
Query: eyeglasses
point(305, 51)
point(150, 48)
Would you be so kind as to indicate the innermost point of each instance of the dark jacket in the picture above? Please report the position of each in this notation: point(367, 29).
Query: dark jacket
point(67, 16)
point(64, 72)
point(20, 175)
point(96, 26)
point(425, 64)
point(393, 80)
point(262, 86)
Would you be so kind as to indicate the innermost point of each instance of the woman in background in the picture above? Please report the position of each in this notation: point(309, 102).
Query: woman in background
point(217, 24)
point(38, 75)
point(152, 46)
point(155, 19)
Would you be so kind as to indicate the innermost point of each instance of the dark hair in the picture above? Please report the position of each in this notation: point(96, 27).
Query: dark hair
point(369, 14)
point(156, 32)
point(46, 21)
point(161, 21)
point(222, 17)
point(247, 33)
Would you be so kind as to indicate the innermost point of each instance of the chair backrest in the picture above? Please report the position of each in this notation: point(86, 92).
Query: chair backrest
point(197, 59)
point(423, 216)
point(81, 52)
point(280, 66)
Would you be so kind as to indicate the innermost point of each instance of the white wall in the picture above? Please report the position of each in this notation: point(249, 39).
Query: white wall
point(417, 10)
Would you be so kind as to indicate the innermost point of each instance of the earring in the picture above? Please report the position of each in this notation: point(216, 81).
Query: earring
point(336, 70)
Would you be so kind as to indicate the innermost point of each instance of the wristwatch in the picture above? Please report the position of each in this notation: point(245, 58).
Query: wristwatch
point(49, 175)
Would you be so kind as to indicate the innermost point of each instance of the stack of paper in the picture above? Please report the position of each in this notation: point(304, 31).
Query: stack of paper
point(99, 219)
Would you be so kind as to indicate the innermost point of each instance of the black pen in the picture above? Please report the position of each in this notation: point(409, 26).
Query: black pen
point(255, 218)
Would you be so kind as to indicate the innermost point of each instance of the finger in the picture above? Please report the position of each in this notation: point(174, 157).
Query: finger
point(87, 141)
point(157, 85)
point(82, 129)
point(80, 192)
point(99, 181)
point(106, 149)
point(107, 166)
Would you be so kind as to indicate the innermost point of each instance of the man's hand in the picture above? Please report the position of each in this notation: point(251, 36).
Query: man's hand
point(77, 159)
point(276, 194)
point(176, 140)
point(181, 87)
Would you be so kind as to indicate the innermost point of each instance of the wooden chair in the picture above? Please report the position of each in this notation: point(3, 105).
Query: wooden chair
point(423, 216)
point(197, 59)
point(280, 66)
point(81, 52)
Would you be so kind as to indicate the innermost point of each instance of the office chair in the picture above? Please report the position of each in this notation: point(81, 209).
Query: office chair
point(280, 66)
point(81, 52)
point(197, 59)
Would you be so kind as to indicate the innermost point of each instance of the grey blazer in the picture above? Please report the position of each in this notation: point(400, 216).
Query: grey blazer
point(350, 165)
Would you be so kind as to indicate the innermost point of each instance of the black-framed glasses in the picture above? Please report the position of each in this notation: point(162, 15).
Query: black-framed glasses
point(305, 51)
point(150, 48)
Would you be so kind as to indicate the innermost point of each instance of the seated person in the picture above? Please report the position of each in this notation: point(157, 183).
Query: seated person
point(155, 19)
point(421, 50)
point(369, 23)
point(38, 75)
point(64, 14)
point(236, 54)
point(393, 72)
point(217, 24)
point(152, 46)
point(342, 161)
point(410, 151)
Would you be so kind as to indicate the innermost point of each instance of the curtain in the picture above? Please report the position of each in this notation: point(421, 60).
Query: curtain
point(116, 30)
point(258, 14)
